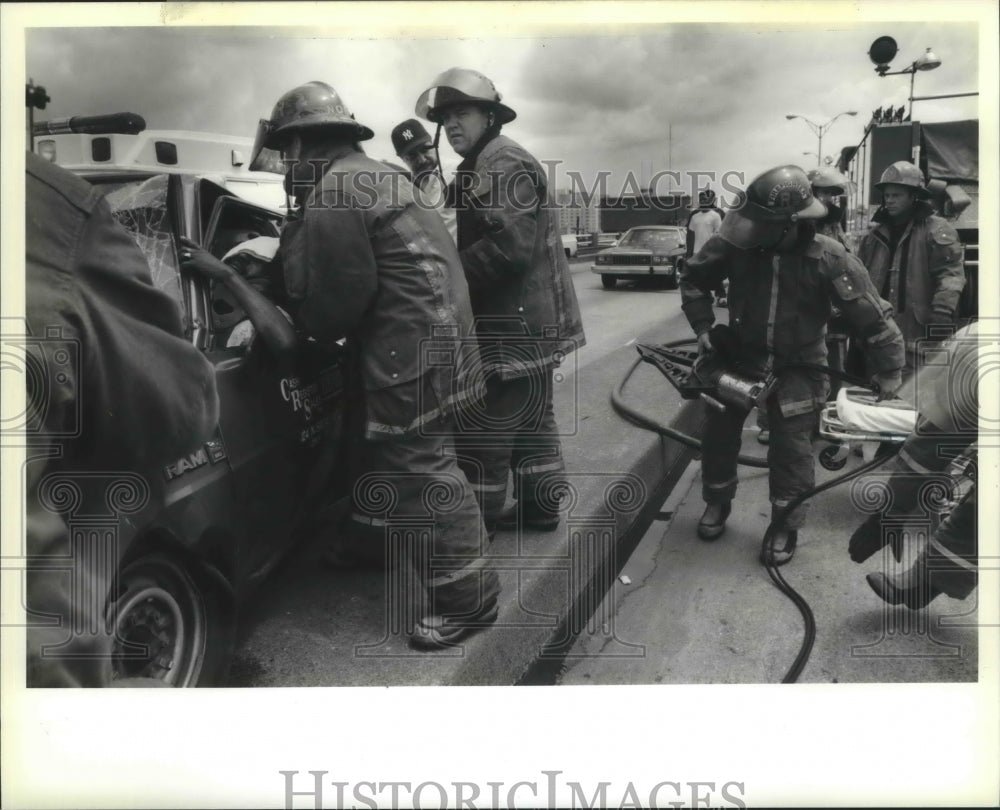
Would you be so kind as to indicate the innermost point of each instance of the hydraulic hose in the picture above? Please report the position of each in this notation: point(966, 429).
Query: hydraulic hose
point(778, 522)
point(775, 526)
point(647, 422)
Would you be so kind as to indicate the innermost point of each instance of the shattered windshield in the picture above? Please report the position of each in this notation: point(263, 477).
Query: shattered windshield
point(142, 208)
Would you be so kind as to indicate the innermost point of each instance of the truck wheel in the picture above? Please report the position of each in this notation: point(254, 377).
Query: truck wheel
point(568, 254)
point(609, 281)
point(168, 627)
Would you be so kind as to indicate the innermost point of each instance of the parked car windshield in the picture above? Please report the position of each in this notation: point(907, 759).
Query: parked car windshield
point(650, 238)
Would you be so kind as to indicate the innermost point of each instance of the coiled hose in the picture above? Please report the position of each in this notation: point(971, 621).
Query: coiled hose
point(778, 521)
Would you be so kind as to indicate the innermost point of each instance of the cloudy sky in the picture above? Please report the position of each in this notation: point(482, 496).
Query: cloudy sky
point(639, 97)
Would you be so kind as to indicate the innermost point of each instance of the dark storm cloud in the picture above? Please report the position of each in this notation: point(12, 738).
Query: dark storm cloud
point(722, 91)
point(688, 96)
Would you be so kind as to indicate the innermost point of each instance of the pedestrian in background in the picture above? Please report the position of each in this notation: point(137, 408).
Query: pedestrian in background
point(364, 261)
point(527, 316)
point(703, 223)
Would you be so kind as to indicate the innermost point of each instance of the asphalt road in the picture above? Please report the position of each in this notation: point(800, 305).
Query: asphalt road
point(691, 612)
point(685, 611)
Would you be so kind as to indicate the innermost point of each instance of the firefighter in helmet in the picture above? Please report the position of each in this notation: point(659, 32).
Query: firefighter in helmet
point(829, 187)
point(914, 257)
point(527, 316)
point(363, 261)
point(783, 281)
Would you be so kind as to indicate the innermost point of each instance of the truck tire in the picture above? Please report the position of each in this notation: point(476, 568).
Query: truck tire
point(609, 281)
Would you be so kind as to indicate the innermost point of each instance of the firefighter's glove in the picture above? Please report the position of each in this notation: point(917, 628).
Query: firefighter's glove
point(887, 385)
point(705, 348)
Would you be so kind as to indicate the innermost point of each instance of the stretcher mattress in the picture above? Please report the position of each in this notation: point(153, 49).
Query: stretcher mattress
point(858, 410)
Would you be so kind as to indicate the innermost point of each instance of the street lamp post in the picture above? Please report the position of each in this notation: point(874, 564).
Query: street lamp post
point(820, 129)
point(882, 52)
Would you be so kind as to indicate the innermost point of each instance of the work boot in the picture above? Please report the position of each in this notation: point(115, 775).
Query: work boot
point(764, 436)
point(713, 520)
point(436, 632)
point(781, 547)
point(869, 537)
point(912, 588)
point(528, 515)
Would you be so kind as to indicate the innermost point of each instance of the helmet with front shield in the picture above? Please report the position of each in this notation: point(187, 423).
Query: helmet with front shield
point(767, 208)
point(461, 86)
point(311, 105)
point(828, 179)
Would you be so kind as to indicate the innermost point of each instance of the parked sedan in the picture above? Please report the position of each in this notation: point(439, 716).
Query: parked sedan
point(648, 251)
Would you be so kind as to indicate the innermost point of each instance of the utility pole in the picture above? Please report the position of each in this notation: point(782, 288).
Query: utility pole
point(670, 147)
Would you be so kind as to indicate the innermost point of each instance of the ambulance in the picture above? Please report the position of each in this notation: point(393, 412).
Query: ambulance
point(224, 513)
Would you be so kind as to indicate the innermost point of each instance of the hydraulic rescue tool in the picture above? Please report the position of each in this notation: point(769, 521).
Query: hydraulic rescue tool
point(722, 380)
point(707, 378)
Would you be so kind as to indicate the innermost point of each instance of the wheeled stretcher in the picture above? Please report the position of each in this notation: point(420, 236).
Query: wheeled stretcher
point(856, 418)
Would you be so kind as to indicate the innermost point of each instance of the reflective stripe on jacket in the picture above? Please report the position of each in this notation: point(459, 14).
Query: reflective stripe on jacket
point(522, 293)
point(782, 302)
point(363, 260)
point(930, 255)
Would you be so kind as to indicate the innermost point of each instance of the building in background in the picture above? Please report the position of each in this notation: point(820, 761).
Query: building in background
point(578, 213)
point(618, 214)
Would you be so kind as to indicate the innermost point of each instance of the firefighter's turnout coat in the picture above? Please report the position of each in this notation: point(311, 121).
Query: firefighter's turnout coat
point(512, 253)
point(779, 305)
point(925, 276)
point(363, 261)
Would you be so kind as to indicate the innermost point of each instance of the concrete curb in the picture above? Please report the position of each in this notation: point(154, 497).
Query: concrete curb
point(315, 626)
point(554, 582)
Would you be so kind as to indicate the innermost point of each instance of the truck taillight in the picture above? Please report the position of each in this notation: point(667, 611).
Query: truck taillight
point(47, 150)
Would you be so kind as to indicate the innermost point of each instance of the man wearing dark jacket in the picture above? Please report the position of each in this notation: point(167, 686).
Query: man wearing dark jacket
point(783, 281)
point(914, 257)
point(363, 261)
point(119, 393)
point(527, 316)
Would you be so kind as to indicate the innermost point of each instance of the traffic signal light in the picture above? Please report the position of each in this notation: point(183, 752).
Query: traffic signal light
point(35, 96)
